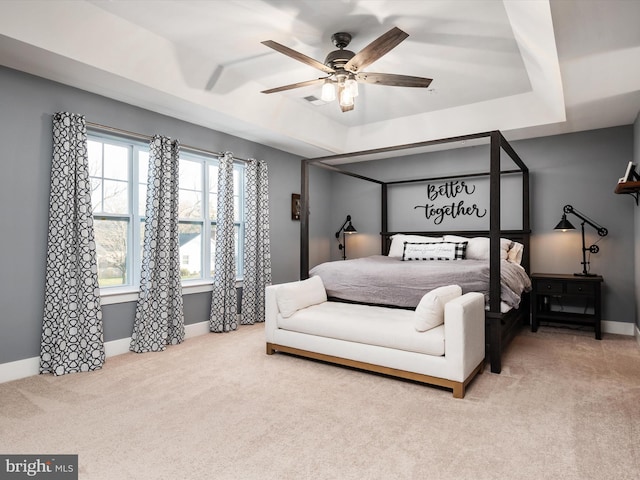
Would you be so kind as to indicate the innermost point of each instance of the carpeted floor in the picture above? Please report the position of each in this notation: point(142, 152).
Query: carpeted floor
point(566, 406)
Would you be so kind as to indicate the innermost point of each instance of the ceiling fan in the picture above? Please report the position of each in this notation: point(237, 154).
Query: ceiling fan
point(344, 68)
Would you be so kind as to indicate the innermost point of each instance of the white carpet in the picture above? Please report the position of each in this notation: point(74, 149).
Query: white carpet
point(566, 406)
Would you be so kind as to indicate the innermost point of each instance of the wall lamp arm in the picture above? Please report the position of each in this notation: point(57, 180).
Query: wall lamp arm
point(600, 229)
point(343, 225)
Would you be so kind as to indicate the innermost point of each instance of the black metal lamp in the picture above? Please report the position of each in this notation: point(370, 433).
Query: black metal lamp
point(347, 227)
point(565, 225)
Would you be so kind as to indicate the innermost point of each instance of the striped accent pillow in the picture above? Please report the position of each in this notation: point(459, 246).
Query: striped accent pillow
point(434, 251)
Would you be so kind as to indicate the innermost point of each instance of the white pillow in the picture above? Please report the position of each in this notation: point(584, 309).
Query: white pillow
point(455, 238)
point(430, 311)
point(397, 242)
point(514, 255)
point(295, 296)
point(478, 247)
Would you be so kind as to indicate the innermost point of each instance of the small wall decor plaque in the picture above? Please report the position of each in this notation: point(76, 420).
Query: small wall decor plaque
point(295, 206)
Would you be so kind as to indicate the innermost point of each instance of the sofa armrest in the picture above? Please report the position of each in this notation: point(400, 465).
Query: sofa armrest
point(464, 331)
point(270, 312)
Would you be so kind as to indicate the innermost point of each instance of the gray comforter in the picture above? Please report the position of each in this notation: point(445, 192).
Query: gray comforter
point(389, 281)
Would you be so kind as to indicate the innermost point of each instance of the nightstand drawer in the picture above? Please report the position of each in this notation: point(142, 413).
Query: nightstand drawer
point(580, 288)
point(548, 286)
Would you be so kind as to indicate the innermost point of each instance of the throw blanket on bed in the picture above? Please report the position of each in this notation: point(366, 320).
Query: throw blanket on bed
point(390, 281)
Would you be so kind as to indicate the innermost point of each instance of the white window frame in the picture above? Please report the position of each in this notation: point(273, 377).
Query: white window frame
point(129, 292)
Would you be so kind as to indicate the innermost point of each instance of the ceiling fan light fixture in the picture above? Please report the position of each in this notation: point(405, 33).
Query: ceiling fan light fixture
point(346, 98)
point(328, 91)
point(344, 68)
point(352, 85)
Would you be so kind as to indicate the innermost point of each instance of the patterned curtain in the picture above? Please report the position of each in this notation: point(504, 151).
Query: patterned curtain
point(223, 300)
point(159, 313)
point(72, 334)
point(257, 251)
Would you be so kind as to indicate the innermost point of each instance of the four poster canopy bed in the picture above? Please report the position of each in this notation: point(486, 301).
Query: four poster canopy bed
point(494, 262)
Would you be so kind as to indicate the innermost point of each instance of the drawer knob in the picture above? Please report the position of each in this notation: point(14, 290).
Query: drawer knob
point(548, 287)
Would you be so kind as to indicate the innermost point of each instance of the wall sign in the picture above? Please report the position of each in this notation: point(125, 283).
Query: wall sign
point(435, 210)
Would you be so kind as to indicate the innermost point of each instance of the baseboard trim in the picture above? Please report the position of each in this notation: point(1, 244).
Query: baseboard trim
point(19, 369)
point(618, 328)
point(31, 366)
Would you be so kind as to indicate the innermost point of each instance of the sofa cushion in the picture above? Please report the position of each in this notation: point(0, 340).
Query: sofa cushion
point(380, 326)
point(295, 296)
point(430, 311)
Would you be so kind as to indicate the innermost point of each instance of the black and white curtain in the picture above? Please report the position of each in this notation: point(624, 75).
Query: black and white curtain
point(72, 332)
point(159, 317)
point(257, 250)
point(224, 310)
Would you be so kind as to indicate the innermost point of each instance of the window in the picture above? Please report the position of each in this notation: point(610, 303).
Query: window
point(118, 169)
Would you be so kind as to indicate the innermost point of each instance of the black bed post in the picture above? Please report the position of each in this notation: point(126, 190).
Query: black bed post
point(495, 334)
point(526, 218)
point(383, 221)
point(494, 222)
point(304, 220)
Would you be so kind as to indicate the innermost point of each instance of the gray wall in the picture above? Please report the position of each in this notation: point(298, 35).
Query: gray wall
point(580, 169)
point(26, 106)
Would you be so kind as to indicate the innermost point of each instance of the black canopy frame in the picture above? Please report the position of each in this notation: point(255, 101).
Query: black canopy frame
point(500, 327)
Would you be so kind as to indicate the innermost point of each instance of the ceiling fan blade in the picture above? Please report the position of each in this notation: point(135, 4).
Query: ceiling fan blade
point(392, 80)
point(294, 85)
point(297, 56)
point(376, 49)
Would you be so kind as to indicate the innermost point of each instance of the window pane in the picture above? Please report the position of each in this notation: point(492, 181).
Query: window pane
point(143, 166)
point(116, 197)
point(111, 248)
point(237, 214)
point(96, 194)
point(213, 192)
point(190, 204)
point(94, 150)
point(190, 250)
point(142, 199)
point(143, 172)
point(116, 162)
point(213, 178)
point(236, 182)
point(190, 175)
point(190, 195)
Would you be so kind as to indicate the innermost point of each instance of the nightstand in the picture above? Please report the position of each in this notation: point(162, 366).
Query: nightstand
point(569, 299)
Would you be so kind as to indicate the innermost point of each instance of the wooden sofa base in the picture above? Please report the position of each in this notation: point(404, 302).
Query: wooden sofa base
point(457, 387)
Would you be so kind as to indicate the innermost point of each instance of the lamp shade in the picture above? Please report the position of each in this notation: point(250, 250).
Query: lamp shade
point(350, 228)
point(564, 224)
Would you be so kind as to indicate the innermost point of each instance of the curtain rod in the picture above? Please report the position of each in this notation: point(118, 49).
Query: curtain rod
point(141, 136)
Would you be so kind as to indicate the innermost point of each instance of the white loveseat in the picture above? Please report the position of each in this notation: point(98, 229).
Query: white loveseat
point(440, 343)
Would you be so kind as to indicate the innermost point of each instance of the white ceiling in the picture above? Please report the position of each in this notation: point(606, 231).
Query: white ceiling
point(528, 68)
